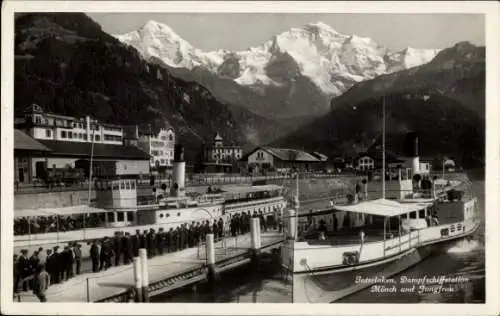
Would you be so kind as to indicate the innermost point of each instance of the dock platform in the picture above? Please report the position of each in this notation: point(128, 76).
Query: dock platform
point(166, 273)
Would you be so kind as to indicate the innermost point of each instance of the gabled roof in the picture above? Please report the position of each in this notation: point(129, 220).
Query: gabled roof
point(23, 141)
point(286, 154)
point(320, 156)
point(383, 207)
point(83, 150)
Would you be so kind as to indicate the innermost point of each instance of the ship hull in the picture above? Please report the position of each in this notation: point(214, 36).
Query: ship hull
point(330, 285)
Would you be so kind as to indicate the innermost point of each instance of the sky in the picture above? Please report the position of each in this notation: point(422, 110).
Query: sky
point(238, 31)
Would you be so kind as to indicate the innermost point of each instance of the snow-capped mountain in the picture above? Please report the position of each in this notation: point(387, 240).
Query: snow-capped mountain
point(300, 69)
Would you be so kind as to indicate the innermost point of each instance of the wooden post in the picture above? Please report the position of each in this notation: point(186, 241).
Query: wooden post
point(210, 249)
point(144, 274)
point(88, 290)
point(137, 279)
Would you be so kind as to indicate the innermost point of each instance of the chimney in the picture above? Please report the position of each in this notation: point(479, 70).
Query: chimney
point(412, 147)
point(179, 172)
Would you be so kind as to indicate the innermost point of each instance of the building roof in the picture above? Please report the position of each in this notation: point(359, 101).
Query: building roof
point(286, 154)
point(382, 207)
point(218, 137)
point(83, 150)
point(320, 156)
point(23, 141)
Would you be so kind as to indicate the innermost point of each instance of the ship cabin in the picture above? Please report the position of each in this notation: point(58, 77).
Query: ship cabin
point(118, 199)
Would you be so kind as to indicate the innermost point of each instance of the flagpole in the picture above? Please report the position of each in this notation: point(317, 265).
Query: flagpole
point(90, 176)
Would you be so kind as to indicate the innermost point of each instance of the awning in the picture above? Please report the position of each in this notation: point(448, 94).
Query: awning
point(382, 207)
point(61, 211)
point(251, 189)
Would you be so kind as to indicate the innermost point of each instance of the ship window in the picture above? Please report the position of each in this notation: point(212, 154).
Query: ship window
point(121, 217)
point(421, 214)
point(168, 215)
point(132, 185)
point(179, 214)
point(122, 185)
point(130, 217)
point(111, 217)
point(413, 215)
point(161, 215)
point(128, 185)
point(116, 186)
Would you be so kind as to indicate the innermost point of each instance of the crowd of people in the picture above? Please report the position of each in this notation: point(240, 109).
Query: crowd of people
point(50, 224)
point(63, 264)
point(44, 267)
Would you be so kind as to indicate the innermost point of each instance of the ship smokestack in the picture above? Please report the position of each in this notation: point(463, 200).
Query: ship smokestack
point(412, 142)
point(179, 172)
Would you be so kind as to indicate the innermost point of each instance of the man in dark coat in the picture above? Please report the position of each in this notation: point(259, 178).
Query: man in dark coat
point(177, 238)
point(144, 240)
point(215, 229)
point(126, 248)
point(171, 240)
point(220, 228)
point(159, 241)
point(94, 255)
point(16, 274)
point(68, 261)
point(136, 242)
point(23, 267)
point(77, 250)
point(197, 234)
point(191, 235)
point(56, 265)
point(33, 268)
point(49, 265)
point(151, 246)
point(117, 245)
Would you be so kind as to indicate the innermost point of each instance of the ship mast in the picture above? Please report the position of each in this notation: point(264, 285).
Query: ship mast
point(383, 147)
point(296, 203)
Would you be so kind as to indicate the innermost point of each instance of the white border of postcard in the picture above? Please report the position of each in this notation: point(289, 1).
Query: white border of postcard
point(492, 18)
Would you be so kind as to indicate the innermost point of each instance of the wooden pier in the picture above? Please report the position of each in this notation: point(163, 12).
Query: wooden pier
point(165, 273)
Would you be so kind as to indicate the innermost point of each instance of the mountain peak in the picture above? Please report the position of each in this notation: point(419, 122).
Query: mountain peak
point(318, 27)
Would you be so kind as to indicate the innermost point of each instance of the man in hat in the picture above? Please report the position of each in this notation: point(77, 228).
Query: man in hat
point(49, 265)
point(24, 268)
point(16, 273)
point(160, 241)
point(56, 265)
point(33, 268)
point(67, 261)
point(126, 248)
point(117, 245)
point(150, 243)
point(170, 240)
point(94, 256)
point(78, 257)
point(42, 283)
point(136, 242)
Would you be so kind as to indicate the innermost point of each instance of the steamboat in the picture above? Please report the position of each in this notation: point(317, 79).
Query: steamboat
point(329, 253)
point(116, 208)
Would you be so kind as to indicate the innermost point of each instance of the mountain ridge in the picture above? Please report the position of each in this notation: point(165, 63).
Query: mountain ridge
point(315, 58)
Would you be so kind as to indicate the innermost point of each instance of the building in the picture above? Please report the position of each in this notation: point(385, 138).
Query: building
point(160, 146)
point(364, 163)
point(42, 125)
point(25, 149)
point(107, 160)
point(219, 157)
point(281, 160)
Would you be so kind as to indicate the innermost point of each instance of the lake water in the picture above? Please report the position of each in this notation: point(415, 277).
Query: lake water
point(463, 259)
